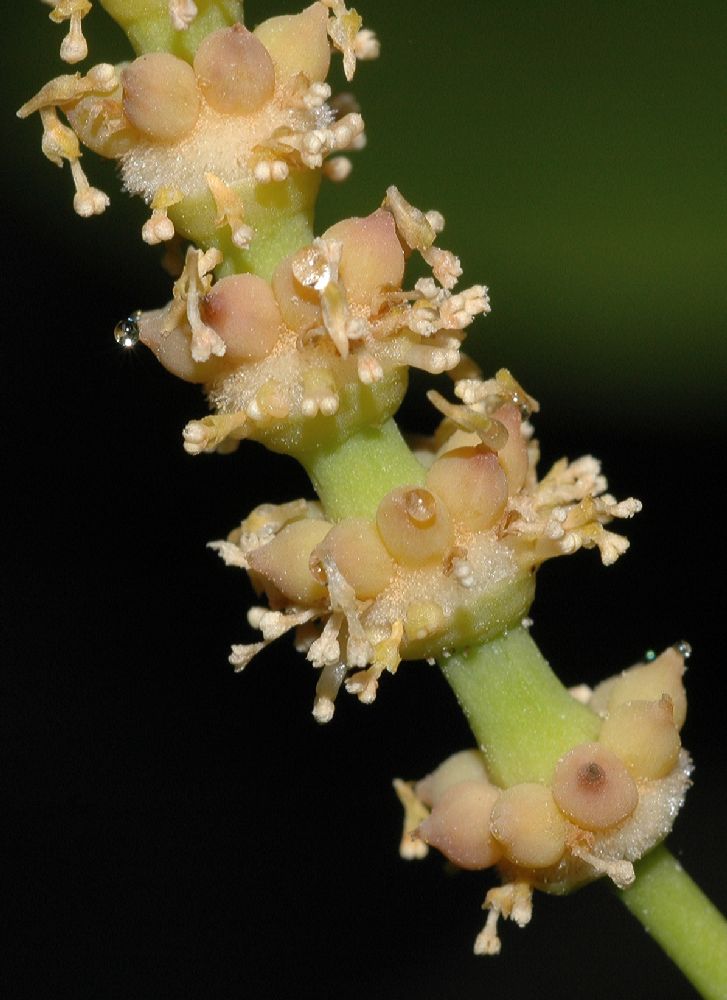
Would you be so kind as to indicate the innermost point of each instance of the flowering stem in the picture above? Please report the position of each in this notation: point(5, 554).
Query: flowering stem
point(681, 919)
point(523, 718)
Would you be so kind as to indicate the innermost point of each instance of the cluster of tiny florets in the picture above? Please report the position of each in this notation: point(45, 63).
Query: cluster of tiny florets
point(333, 316)
point(365, 594)
point(251, 108)
point(608, 801)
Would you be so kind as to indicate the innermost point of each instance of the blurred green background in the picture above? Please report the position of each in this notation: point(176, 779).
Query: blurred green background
point(577, 151)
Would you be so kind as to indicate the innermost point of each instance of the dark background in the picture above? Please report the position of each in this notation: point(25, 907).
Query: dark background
point(179, 831)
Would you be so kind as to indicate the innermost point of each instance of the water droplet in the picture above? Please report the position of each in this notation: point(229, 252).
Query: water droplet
point(684, 649)
point(650, 655)
point(126, 332)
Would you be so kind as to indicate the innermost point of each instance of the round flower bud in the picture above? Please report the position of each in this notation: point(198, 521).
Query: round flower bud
point(242, 309)
point(514, 456)
point(298, 43)
point(592, 786)
point(235, 71)
point(173, 349)
point(371, 256)
point(415, 526)
point(300, 306)
point(646, 682)
point(160, 96)
point(526, 822)
point(459, 825)
point(644, 736)
point(467, 765)
point(360, 555)
point(472, 484)
point(284, 561)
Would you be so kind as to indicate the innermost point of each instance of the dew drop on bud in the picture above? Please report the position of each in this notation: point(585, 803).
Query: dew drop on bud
point(420, 506)
point(684, 649)
point(126, 332)
point(650, 655)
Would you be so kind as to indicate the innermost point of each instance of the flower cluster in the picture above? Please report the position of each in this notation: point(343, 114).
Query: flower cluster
point(445, 562)
point(608, 801)
point(250, 109)
point(333, 321)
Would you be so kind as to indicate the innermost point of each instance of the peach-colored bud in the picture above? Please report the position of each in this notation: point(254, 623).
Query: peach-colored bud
point(300, 306)
point(284, 561)
point(242, 310)
point(472, 484)
point(415, 525)
point(360, 555)
point(527, 823)
point(467, 765)
point(235, 71)
point(371, 256)
point(459, 825)
point(647, 682)
point(592, 786)
point(161, 99)
point(644, 736)
point(173, 349)
point(298, 43)
point(423, 618)
point(514, 456)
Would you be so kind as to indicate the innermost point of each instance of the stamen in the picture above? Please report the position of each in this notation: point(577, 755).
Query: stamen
point(411, 847)
point(621, 873)
point(73, 47)
point(513, 901)
point(159, 228)
point(337, 169)
point(230, 211)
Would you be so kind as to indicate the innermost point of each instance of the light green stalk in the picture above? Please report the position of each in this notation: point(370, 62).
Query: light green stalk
point(351, 476)
point(681, 919)
point(149, 27)
point(523, 718)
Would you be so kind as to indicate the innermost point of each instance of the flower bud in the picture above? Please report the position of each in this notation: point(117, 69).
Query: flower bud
point(235, 71)
point(299, 306)
point(160, 96)
point(644, 736)
point(173, 350)
point(415, 526)
point(285, 560)
point(359, 553)
point(646, 682)
point(472, 484)
point(298, 43)
point(242, 309)
point(467, 765)
point(526, 822)
point(459, 825)
point(371, 256)
point(592, 786)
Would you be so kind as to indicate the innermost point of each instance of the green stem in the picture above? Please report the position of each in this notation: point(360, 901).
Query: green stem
point(352, 476)
point(281, 216)
point(523, 718)
point(149, 27)
point(681, 919)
